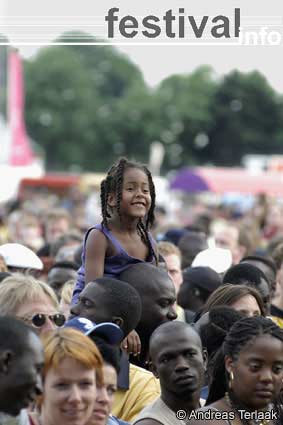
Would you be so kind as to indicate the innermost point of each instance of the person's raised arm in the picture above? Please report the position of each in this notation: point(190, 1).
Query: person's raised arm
point(96, 246)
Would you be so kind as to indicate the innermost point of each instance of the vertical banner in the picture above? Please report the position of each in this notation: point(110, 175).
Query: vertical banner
point(20, 149)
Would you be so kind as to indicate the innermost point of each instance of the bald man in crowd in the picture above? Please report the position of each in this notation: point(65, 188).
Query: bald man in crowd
point(178, 362)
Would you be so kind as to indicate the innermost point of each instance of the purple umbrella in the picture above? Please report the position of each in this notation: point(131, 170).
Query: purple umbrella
point(188, 181)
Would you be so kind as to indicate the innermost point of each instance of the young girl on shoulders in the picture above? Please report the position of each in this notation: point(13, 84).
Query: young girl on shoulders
point(123, 237)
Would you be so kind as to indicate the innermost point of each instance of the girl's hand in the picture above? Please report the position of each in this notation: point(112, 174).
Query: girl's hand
point(132, 343)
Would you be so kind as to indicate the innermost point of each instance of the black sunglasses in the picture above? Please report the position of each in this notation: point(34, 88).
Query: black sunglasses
point(39, 319)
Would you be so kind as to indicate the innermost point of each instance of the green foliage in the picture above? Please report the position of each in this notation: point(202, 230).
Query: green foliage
point(247, 118)
point(86, 105)
point(111, 72)
point(73, 96)
point(59, 105)
point(186, 111)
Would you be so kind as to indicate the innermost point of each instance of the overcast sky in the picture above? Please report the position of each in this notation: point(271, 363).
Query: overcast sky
point(36, 20)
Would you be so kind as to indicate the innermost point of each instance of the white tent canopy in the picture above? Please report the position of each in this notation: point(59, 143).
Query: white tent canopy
point(10, 176)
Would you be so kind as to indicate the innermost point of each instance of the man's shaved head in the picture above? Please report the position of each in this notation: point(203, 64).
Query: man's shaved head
point(158, 296)
point(162, 335)
point(178, 361)
point(143, 276)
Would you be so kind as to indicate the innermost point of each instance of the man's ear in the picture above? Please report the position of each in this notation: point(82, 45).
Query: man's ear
point(153, 369)
point(111, 200)
point(6, 357)
point(118, 321)
point(205, 358)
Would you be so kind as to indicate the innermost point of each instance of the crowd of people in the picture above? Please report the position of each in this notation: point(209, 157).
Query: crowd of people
point(137, 320)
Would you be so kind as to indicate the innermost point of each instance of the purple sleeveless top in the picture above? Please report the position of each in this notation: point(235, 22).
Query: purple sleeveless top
point(114, 265)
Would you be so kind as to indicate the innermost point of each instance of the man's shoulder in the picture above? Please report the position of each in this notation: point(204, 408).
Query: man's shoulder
point(157, 413)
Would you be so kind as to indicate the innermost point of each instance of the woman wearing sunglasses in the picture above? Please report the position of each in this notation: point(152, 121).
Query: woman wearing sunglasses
point(72, 368)
point(32, 301)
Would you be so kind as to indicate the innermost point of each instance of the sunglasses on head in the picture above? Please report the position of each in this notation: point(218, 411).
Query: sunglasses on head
point(39, 319)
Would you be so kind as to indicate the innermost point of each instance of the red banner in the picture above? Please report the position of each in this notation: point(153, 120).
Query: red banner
point(20, 149)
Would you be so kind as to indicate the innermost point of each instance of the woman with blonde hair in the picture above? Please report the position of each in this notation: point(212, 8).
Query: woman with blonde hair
point(31, 301)
point(66, 297)
point(72, 368)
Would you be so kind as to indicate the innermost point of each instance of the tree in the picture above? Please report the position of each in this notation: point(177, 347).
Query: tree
point(59, 105)
point(112, 73)
point(86, 105)
point(74, 95)
point(186, 113)
point(247, 119)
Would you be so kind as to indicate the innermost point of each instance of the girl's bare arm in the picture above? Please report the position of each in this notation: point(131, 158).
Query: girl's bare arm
point(96, 246)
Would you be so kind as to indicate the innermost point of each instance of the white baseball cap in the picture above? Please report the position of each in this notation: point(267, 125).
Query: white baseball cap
point(218, 259)
point(17, 255)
